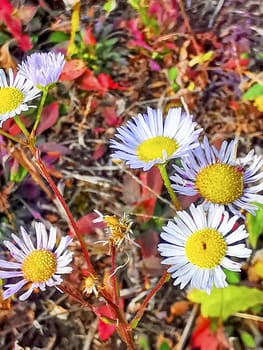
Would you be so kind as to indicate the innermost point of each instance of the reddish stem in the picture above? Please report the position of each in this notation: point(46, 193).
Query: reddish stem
point(188, 27)
point(113, 274)
point(72, 222)
point(155, 289)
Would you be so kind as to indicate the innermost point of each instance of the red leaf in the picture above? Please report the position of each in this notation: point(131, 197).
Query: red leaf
point(107, 83)
point(14, 25)
point(89, 82)
point(11, 127)
point(48, 118)
point(86, 225)
point(148, 241)
point(72, 70)
point(110, 115)
point(146, 207)
point(98, 152)
point(204, 338)
point(89, 38)
point(105, 330)
point(153, 180)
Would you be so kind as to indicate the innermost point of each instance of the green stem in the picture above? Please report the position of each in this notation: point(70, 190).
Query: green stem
point(167, 184)
point(21, 126)
point(2, 132)
point(40, 109)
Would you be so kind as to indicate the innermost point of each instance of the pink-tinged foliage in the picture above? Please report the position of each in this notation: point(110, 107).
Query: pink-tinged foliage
point(154, 66)
point(138, 36)
point(14, 25)
point(49, 117)
point(165, 12)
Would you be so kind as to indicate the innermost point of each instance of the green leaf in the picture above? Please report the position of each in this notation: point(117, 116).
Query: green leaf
point(164, 346)
point(247, 339)
point(172, 73)
point(109, 5)
point(255, 225)
point(204, 57)
point(3, 38)
point(232, 277)
point(58, 37)
point(254, 91)
point(135, 4)
point(143, 342)
point(108, 320)
point(18, 176)
point(226, 301)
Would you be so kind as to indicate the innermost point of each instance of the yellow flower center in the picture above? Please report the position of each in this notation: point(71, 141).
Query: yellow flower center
point(205, 248)
point(153, 148)
point(10, 99)
point(220, 183)
point(39, 265)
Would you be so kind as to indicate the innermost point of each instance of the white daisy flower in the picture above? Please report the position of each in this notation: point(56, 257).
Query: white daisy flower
point(38, 267)
point(42, 68)
point(220, 178)
point(149, 140)
point(199, 244)
point(15, 93)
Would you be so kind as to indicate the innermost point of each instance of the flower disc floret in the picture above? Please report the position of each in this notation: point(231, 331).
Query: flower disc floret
point(36, 267)
point(42, 68)
point(153, 148)
point(149, 139)
point(198, 243)
point(220, 178)
point(220, 183)
point(205, 248)
point(39, 265)
point(15, 93)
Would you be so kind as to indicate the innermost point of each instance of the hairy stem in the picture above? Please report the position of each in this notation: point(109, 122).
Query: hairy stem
point(21, 126)
point(73, 225)
point(40, 109)
point(167, 184)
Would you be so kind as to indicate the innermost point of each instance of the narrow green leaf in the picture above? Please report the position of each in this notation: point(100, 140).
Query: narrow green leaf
point(172, 73)
point(255, 225)
point(254, 91)
point(58, 37)
point(18, 175)
point(226, 301)
point(232, 277)
point(109, 5)
point(247, 339)
point(108, 320)
point(143, 342)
